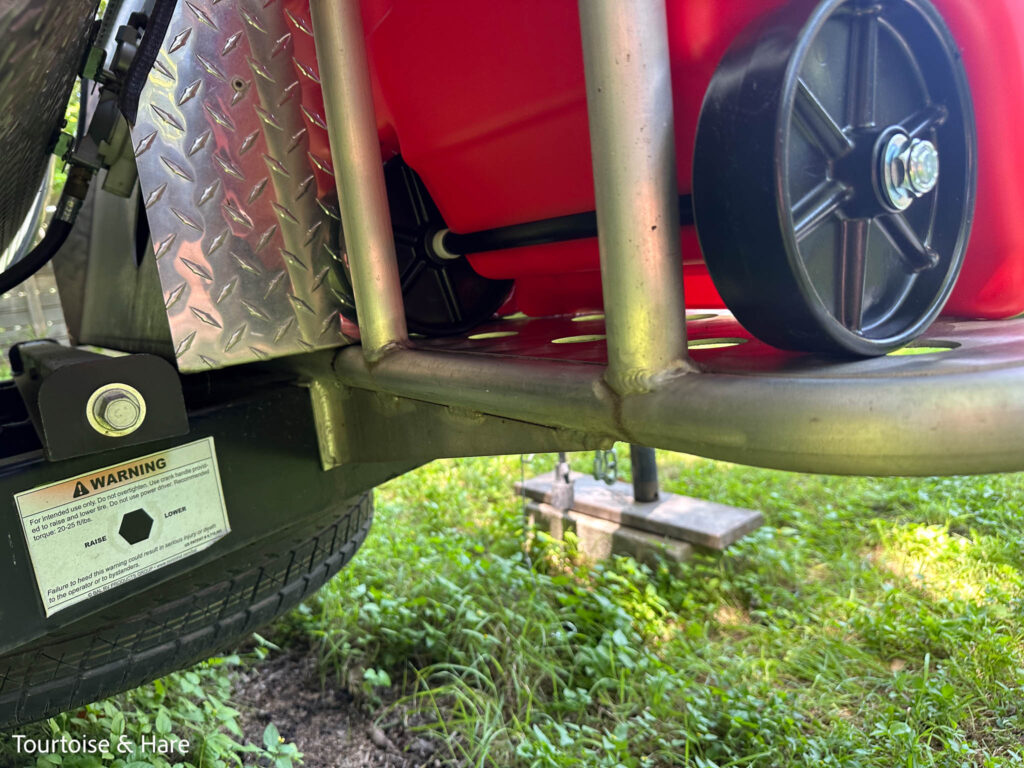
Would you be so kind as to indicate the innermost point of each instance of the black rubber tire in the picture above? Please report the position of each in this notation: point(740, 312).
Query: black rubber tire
point(111, 652)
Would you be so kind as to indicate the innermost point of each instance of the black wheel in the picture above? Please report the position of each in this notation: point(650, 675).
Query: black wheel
point(825, 220)
point(442, 296)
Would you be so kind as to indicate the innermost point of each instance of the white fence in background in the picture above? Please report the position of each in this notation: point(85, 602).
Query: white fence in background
point(31, 311)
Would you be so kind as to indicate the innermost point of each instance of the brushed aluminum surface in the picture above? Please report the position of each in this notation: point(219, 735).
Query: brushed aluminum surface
point(632, 139)
point(242, 243)
point(355, 151)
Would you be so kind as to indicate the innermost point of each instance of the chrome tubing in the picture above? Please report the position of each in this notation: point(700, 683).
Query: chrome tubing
point(358, 171)
point(629, 103)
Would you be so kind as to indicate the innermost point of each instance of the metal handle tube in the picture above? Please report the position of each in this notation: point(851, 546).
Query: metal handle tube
point(629, 103)
point(358, 171)
point(645, 473)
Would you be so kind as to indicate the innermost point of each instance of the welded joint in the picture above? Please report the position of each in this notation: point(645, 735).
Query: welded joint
point(642, 381)
point(326, 397)
point(374, 354)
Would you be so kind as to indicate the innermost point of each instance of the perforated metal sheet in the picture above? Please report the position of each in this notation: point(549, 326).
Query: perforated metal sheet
point(227, 179)
point(720, 345)
point(41, 44)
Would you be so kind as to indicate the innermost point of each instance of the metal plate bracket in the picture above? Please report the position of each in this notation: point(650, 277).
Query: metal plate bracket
point(356, 425)
point(83, 403)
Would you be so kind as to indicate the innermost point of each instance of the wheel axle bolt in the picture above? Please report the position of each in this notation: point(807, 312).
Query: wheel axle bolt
point(115, 410)
point(923, 166)
point(910, 169)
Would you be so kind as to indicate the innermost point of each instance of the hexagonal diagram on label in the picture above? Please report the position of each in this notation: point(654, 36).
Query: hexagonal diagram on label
point(136, 526)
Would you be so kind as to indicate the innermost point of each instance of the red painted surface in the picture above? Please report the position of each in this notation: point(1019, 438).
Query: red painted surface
point(486, 101)
point(991, 36)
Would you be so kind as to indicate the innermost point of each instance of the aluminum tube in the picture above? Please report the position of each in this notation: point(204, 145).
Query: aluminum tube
point(568, 395)
point(955, 423)
point(632, 139)
point(358, 170)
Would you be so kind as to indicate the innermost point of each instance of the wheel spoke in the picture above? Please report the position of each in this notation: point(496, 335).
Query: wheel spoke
point(411, 272)
point(415, 193)
point(820, 203)
point(925, 120)
point(818, 124)
point(450, 299)
point(851, 268)
point(406, 237)
point(916, 256)
point(863, 69)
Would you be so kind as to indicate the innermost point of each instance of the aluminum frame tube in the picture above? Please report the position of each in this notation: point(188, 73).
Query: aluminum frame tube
point(632, 138)
point(885, 424)
point(359, 173)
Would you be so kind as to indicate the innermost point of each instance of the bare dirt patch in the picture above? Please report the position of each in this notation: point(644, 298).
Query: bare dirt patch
point(327, 723)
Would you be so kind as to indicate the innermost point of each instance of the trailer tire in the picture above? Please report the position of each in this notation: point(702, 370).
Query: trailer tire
point(110, 652)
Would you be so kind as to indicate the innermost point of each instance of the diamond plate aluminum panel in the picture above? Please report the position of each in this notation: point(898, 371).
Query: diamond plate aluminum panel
point(242, 242)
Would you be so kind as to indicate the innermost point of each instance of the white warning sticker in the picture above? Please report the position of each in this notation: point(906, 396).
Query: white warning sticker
point(90, 533)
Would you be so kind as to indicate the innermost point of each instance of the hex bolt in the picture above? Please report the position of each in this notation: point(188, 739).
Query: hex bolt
point(910, 169)
point(115, 410)
point(923, 166)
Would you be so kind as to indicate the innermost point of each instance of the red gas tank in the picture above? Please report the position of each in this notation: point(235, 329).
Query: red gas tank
point(489, 106)
point(486, 101)
point(991, 38)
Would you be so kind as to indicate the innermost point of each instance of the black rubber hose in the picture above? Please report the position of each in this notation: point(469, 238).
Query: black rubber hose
point(576, 226)
point(145, 57)
point(57, 232)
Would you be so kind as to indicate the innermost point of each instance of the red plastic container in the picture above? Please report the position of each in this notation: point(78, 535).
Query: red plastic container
point(486, 101)
point(991, 38)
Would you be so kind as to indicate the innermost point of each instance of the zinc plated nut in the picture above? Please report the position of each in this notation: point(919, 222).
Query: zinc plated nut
point(910, 169)
point(923, 166)
point(116, 410)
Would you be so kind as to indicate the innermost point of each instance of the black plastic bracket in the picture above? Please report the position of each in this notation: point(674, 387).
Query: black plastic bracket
point(57, 382)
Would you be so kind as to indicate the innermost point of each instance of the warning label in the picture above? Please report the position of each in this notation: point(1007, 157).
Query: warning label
point(91, 533)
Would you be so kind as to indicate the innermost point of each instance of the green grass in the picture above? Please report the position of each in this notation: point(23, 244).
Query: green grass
point(871, 623)
point(192, 705)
